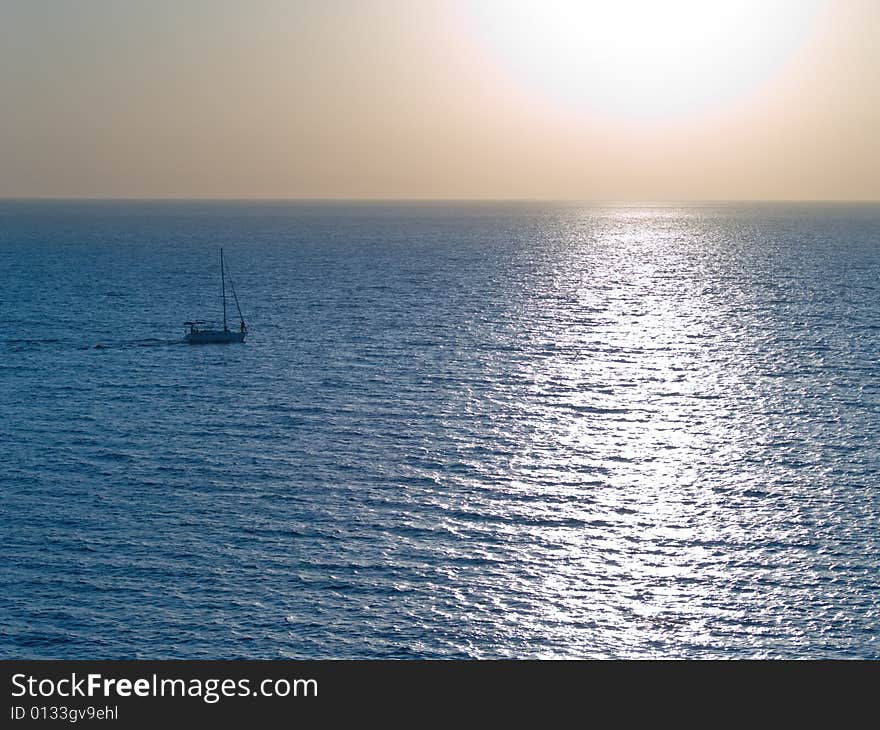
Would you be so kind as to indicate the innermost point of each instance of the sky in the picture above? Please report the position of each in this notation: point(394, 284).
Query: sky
point(453, 99)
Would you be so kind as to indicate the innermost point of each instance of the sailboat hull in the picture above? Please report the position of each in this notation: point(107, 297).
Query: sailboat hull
point(213, 337)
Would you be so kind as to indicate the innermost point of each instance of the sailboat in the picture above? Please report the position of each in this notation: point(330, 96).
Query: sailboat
point(199, 332)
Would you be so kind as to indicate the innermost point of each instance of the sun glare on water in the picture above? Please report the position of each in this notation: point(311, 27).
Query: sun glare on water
point(642, 58)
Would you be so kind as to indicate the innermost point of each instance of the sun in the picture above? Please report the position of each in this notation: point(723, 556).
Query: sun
point(641, 58)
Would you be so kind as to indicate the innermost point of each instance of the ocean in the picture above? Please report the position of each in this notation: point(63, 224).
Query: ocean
point(481, 430)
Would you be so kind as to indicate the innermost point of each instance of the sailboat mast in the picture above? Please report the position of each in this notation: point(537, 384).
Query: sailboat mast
point(223, 288)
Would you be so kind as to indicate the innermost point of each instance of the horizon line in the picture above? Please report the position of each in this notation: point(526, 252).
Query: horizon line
point(327, 199)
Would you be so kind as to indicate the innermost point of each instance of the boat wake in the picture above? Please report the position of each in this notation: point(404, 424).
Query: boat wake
point(125, 344)
point(24, 342)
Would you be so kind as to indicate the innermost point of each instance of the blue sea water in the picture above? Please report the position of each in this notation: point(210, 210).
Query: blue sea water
point(506, 430)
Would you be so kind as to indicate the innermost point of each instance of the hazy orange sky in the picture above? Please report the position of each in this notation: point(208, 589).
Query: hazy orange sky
point(623, 100)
